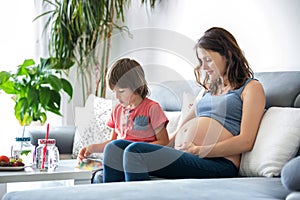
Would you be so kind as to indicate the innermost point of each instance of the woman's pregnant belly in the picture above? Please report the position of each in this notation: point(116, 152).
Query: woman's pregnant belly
point(203, 131)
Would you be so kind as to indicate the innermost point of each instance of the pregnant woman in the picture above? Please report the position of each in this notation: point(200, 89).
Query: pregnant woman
point(222, 124)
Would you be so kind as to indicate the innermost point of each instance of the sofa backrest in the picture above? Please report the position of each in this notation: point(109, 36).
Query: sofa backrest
point(64, 136)
point(169, 94)
point(282, 89)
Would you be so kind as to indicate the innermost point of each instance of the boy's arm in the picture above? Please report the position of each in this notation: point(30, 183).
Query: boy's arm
point(162, 136)
point(94, 148)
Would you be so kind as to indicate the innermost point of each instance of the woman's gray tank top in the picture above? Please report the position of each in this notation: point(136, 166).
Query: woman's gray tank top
point(225, 108)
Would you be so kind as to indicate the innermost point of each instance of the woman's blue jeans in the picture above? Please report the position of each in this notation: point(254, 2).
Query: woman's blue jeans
point(135, 161)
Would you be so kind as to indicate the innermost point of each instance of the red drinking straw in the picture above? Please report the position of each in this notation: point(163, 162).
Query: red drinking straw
point(45, 148)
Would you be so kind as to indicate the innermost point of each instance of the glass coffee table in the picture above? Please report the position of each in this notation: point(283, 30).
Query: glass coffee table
point(66, 171)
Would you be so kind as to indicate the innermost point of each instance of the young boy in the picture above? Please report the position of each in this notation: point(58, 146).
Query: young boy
point(135, 118)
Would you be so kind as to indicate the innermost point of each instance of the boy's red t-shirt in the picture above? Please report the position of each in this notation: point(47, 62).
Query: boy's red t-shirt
point(138, 124)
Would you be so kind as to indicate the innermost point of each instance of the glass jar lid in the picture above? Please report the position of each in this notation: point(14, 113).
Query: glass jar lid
point(45, 141)
point(22, 139)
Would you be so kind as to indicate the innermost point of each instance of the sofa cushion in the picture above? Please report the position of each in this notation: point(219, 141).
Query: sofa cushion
point(191, 189)
point(91, 123)
point(290, 175)
point(277, 141)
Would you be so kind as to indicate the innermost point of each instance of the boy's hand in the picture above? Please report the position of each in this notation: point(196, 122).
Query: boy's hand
point(83, 153)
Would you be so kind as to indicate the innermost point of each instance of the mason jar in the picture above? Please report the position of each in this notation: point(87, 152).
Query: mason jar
point(23, 150)
point(46, 155)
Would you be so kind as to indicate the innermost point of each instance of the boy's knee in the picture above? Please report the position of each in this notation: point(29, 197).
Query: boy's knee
point(108, 146)
point(132, 151)
point(116, 144)
point(134, 147)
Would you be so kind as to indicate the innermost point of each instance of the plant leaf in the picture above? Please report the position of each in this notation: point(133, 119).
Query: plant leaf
point(4, 76)
point(54, 102)
point(8, 87)
point(44, 96)
point(54, 81)
point(28, 62)
point(21, 108)
point(67, 87)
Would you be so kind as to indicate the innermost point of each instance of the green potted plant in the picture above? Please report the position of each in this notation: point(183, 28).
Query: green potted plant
point(80, 35)
point(36, 89)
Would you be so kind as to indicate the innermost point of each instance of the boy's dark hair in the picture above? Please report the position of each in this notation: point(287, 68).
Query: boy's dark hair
point(128, 73)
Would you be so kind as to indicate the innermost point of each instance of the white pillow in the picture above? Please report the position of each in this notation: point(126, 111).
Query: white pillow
point(91, 123)
point(277, 142)
point(173, 118)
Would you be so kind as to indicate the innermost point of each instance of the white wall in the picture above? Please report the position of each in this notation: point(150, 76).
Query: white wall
point(15, 46)
point(267, 30)
point(163, 39)
point(19, 40)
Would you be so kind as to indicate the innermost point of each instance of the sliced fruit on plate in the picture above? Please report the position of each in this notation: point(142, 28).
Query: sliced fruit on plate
point(4, 158)
point(10, 162)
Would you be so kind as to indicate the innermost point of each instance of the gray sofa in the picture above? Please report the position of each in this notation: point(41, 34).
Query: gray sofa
point(282, 90)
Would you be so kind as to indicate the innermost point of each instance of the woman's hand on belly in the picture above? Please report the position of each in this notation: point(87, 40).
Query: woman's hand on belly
point(199, 135)
point(200, 151)
point(185, 137)
point(189, 148)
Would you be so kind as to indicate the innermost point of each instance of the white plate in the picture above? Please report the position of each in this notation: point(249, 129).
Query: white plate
point(12, 168)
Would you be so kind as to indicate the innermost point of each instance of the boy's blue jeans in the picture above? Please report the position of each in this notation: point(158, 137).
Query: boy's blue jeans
point(135, 161)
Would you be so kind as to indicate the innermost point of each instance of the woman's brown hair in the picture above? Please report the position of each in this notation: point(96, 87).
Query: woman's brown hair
point(223, 42)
